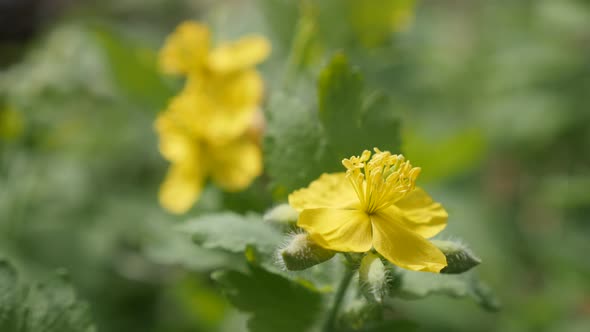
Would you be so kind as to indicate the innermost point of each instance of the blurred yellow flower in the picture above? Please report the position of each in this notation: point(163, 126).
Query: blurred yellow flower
point(375, 204)
point(206, 130)
point(11, 123)
point(187, 51)
point(232, 165)
point(223, 83)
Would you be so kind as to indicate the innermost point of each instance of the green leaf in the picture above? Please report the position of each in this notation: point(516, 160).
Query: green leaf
point(275, 303)
point(416, 285)
point(340, 91)
point(298, 149)
point(352, 120)
point(134, 68)
point(321, 277)
point(295, 147)
point(258, 241)
point(169, 246)
point(390, 325)
point(382, 122)
point(48, 306)
point(9, 297)
point(233, 232)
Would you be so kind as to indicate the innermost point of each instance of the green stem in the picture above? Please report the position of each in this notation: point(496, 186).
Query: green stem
point(338, 297)
point(303, 40)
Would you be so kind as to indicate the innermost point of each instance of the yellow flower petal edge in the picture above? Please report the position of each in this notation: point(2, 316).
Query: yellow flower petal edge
point(375, 204)
point(403, 247)
point(186, 49)
point(421, 212)
point(330, 190)
point(244, 53)
point(174, 144)
point(182, 187)
point(427, 229)
point(236, 165)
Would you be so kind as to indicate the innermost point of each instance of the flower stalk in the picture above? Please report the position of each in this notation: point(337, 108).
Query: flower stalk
point(330, 325)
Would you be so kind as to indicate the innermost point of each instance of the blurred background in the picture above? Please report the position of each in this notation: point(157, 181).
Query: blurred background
point(494, 100)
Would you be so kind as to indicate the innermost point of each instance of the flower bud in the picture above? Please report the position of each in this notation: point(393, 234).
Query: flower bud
point(459, 258)
point(302, 253)
point(373, 278)
point(281, 214)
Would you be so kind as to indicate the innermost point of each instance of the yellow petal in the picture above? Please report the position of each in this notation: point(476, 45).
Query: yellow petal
point(219, 125)
point(182, 187)
point(241, 54)
point(174, 144)
point(186, 49)
point(187, 111)
point(202, 116)
point(338, 229)
point(419, 213)
point(235, 165)
point(329, 191)
point(220, 109)
point(240, 89)
point(403, 247)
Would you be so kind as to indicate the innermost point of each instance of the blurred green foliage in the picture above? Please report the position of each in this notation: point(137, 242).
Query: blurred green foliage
point(288, 307)
point(45, 306)
point(491, 100)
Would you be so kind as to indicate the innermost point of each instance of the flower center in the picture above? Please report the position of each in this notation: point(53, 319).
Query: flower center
point(380, 180)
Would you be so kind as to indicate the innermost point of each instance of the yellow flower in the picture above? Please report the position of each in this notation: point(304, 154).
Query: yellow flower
point(232, 165)
point(187, 51)
point(226, 88)
point(375, 204)
point(205, 130)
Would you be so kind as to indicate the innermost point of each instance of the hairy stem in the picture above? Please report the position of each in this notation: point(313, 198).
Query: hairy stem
point(338, 297)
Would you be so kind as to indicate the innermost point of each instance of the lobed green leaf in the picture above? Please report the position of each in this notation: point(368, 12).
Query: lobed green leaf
point(274, 302)
point(416, 285)
point(134, 69)
point(295, 146)
point(48, 306)
point(298, 149)
point(233, 232)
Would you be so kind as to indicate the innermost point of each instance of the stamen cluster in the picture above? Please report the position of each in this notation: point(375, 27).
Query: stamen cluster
point(380, 180)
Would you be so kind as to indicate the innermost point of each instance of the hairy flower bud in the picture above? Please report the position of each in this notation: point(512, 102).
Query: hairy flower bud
point(302, 253)
point(459, 258)
point(373, 278)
